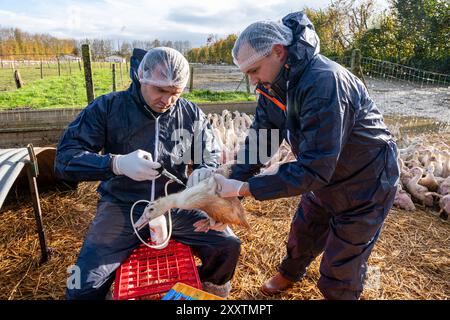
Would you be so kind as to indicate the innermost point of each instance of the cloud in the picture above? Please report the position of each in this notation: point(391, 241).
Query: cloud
point(146, 19)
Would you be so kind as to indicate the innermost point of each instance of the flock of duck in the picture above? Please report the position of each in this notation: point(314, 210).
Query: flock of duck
point(425, 176)
point(425, 167)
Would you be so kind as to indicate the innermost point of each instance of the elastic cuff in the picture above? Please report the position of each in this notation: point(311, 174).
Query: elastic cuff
point(289, 276)
point(264, 188)
point(113, 164)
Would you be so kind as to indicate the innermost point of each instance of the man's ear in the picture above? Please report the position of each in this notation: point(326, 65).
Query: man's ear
point(280, 51)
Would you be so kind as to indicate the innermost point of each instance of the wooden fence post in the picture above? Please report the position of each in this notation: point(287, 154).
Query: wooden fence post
point(121, 76)
point(191, 80)
point(355, 65)
point(59, 68)
point(86, 53)
point(113, 67)
point(247, 83)
point(42, 71)
point(18, 79)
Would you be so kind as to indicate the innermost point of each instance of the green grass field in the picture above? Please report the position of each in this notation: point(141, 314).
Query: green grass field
point(68, 90)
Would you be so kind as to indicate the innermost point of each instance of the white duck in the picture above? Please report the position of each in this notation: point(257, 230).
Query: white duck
point(435, 159)
point(445, 156)
point(202, 196)
point(413, 160)
point(429, 181)
point(403, 199)
point(419, 192)
point(444, 203)
point(444, 187)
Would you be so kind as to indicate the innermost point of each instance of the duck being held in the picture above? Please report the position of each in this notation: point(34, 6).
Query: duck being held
point(203, 196)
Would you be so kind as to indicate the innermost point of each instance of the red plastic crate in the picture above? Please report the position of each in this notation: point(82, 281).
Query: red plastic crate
point(150, 273)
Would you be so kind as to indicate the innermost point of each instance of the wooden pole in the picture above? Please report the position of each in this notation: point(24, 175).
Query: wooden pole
point(86, 53)
point(70, 68)
point(191, 80)
point(42, 71)
point(32, 173)
point(355, 65)
point(18, 79)
point(247, 83)
point(59, 68)
point(113, 67)
point(121, 77)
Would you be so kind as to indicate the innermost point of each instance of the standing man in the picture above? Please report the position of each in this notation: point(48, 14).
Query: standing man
point(121, 139)
point(346, 168)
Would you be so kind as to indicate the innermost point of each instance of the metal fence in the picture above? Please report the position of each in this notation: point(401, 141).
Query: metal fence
point(390, 71)
point(393, 71)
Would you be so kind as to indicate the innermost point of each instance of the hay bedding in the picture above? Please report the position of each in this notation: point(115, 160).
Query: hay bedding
point(412, 254)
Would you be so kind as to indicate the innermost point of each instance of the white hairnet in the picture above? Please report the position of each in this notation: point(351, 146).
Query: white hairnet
point(164, 67)
point(256, 41)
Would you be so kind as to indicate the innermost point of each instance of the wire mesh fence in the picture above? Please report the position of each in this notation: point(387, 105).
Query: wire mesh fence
point(391, 71)
point(217, 78)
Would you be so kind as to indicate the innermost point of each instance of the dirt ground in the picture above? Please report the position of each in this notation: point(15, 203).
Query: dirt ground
point(410, 261)
point(401, 98)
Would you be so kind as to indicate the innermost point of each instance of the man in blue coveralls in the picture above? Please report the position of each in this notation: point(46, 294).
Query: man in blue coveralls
point(135, 130)
point(345, 168)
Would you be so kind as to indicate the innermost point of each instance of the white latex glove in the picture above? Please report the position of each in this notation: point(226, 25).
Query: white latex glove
point(228, 188)
point(199, 175)
point(207, 224)
point(137, 165)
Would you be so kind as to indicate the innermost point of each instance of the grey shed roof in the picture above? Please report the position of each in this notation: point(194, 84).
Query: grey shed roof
point(12, 167)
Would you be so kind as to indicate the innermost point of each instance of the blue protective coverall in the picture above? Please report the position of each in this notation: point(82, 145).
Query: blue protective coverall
point(346, 166)
point(120, 123)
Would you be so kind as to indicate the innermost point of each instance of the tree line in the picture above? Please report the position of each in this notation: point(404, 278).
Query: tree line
point(411, 32)
point(18, 44)
point(15, 42)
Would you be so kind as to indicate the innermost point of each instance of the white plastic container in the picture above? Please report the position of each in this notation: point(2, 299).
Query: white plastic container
point(158, 230)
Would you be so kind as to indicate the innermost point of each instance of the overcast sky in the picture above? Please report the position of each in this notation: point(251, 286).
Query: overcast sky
point(146, 19)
